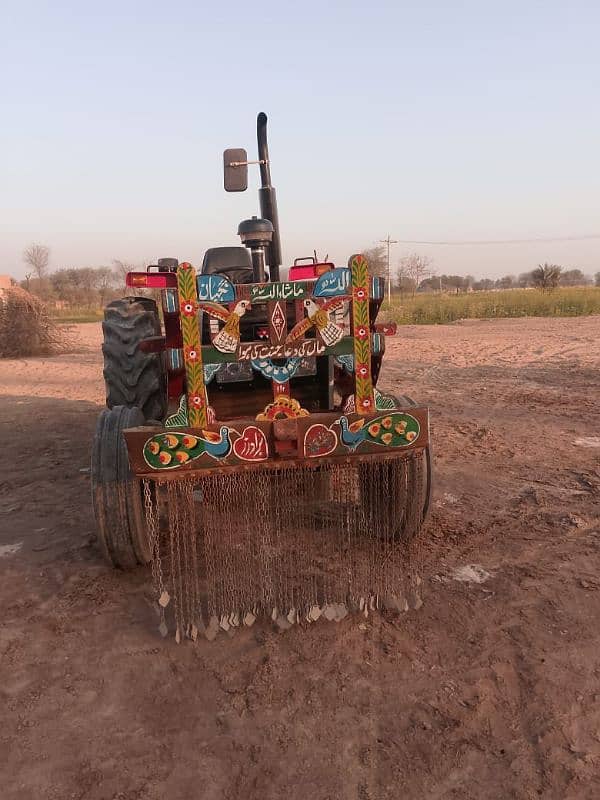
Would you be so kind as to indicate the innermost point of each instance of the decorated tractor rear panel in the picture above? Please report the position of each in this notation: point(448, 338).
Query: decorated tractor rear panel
point(246, 451)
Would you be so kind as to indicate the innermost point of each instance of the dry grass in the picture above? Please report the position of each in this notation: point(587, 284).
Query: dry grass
point(26, 328)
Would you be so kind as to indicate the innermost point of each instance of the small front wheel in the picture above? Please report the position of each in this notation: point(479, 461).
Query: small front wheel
point(116, 492)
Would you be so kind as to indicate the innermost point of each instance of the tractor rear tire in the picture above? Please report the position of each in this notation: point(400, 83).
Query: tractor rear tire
point(116, 492)
point(417, 479)
point(133, 378)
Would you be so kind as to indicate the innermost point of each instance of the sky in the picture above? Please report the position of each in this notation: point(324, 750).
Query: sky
point(426, 120)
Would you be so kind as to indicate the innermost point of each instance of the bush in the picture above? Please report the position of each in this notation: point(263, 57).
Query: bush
point(26, 329)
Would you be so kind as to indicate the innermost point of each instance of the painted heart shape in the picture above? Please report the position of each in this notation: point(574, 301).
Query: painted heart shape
point(251, 445)
point(319, 441)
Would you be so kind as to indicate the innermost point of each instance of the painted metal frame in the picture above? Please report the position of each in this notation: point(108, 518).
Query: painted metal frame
point(332, 318)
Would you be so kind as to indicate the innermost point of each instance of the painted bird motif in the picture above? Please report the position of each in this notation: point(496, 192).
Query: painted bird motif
point(352, 435)
point(388, 430)
point(171, 450)
point(217, 446)
point(227, 339)
point(318, 316)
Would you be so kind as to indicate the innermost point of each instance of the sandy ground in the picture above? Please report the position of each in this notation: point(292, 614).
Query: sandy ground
point(491, 690)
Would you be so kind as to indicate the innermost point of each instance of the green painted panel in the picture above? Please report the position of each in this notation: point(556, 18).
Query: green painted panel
point(305, 348)
point(286, 290)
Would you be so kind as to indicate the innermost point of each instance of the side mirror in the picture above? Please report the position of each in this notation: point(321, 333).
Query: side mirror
point(235, 169)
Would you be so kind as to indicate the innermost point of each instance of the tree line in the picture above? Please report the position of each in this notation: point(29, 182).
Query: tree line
point(75, 287)
point(416, 273)
point(93, 287)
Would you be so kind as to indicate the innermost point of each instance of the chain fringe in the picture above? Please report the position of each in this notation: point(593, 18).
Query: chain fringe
point(290, 543)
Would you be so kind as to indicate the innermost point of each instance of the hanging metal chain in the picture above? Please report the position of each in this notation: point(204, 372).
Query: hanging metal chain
point(153, 527)
point(173, 496)
point(299, 541)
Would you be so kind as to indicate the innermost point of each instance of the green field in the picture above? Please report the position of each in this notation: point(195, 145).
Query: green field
point(432, 309)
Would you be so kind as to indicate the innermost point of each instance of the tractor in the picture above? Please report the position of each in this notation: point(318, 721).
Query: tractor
point(246, 452)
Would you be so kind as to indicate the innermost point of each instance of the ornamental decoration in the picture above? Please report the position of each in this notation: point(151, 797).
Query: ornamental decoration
point(333, 283)
point(283, 407)
point(383, 402)
point(346, 362)
point(364, 398)
point(393, 430)
point(280, 373)
point(190, 332)
point(216, 288)
point(180, 418)
point(172, 450)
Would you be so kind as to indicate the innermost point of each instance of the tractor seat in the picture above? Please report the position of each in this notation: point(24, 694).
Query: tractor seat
point(234, 263)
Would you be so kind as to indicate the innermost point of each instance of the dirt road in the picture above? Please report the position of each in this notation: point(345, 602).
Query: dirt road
point(491, 690)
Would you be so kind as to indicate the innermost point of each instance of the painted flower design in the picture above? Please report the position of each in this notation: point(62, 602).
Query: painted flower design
point(366, 403)
point(197, 401)
point(185, 265)
point(359, 294)
point(191, 354)
point(188, 308)
point(362, 370)
point(362, 332)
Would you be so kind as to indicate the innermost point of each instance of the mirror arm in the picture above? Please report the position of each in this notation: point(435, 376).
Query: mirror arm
point(244, 163)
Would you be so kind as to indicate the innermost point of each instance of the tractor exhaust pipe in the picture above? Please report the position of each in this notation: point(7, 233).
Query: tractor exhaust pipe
point(268, 200)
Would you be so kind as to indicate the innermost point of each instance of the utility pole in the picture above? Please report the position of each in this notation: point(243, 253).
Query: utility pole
point(389, 241)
